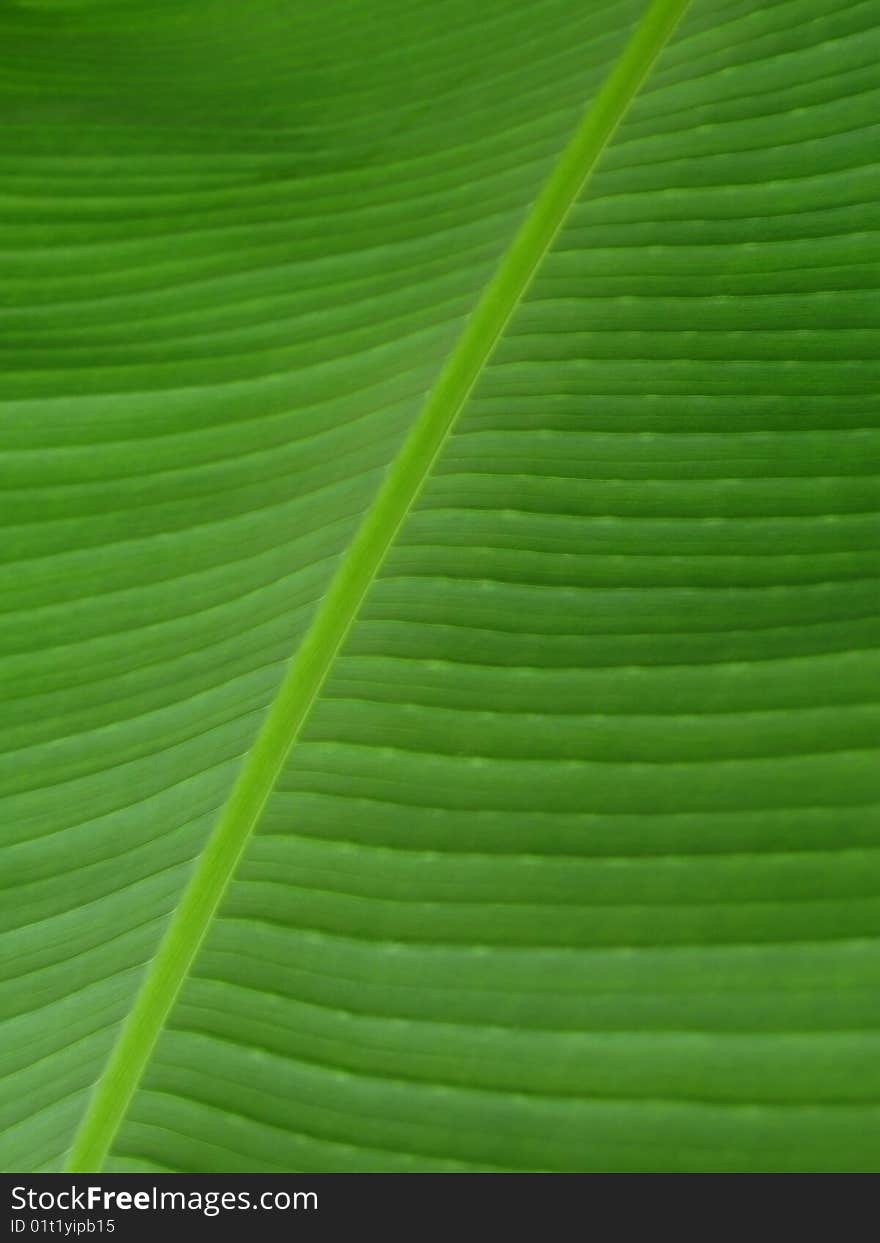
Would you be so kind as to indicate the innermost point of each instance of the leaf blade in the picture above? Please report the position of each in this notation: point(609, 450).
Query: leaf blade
point(582, 843)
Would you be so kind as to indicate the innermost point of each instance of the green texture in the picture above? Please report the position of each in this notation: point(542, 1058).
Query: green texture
point(552, 461)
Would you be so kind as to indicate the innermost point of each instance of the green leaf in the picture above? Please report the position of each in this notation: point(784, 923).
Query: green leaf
point(439, 594)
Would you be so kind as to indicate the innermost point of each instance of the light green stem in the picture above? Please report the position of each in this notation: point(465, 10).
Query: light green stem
point(308, 670)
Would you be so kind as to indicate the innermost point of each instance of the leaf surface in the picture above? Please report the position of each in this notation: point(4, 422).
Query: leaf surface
point(574, 864)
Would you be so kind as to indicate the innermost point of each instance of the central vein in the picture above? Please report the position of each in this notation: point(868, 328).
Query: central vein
point(308, 670)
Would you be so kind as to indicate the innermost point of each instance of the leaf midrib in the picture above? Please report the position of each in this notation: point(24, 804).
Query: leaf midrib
point(333, 620)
